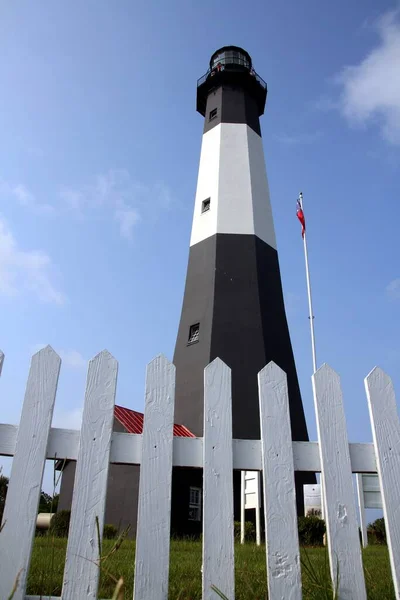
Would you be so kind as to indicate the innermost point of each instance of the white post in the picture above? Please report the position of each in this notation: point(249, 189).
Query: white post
point(258, 497)
point(242, 505)
point(361, 509)
point(310, 309)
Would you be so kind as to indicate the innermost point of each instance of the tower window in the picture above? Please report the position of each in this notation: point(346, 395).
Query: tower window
point(194, 333)
point(213, 114)
point(195, 504)
point(205, 205)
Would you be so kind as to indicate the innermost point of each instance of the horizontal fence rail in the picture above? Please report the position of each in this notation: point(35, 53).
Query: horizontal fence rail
point(126, 449)
point(96, 446)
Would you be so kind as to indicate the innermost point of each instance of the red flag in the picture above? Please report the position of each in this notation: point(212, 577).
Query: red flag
point(301, 218)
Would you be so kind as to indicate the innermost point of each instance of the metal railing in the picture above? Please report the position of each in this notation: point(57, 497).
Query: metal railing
point(252, 72)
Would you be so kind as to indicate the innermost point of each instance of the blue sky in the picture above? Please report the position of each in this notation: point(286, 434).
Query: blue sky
point(99, 153)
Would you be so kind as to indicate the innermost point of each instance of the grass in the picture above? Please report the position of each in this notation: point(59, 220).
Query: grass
point(48, 558)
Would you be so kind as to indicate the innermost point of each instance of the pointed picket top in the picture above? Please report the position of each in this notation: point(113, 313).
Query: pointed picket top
point(214, 366)
point(217, 361)
point(328, 381)
point(161, 369)
point(378, 379)
point(325, 368)
point(1, 361)
point(160, 361)
point(272, 372)
point(104, 354)
point(103, 360)
point(46, 351)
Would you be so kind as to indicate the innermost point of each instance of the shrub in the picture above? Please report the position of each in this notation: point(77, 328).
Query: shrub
point(311, 531)
point(110, 532)
point(377, 532)
point(59, 523)
point(249, 530)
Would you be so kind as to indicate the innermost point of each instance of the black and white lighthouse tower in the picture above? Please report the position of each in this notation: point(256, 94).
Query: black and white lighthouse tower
point(233, 304)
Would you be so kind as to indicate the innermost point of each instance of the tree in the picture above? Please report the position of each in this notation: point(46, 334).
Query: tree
point(45, 503)
point(377, 531)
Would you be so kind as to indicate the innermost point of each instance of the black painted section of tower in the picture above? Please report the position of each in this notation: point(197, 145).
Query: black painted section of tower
point(234, 291)
point(190, 360)
point(233, 105)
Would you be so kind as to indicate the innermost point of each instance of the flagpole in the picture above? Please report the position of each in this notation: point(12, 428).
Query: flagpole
point(311, 317)
point(310, 309)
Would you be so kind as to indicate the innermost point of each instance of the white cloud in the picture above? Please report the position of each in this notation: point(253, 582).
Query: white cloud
point(371, 89)
point(393, 289)
point(127, 219)
point(24, 197)
point(67, 419)
point(116, 193)
point(25, 271)
point(70, 358)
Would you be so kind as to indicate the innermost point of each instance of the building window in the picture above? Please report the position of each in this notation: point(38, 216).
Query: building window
point(205, 205)
point(194, 504)
point(194, 333)
point(213, 114)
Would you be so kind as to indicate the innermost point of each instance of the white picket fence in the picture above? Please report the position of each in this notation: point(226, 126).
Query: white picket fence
point(156, 450)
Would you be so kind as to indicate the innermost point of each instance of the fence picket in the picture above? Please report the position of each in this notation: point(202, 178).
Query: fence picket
point(155, 484)
point(336, 478)
point(218, 547)
point(385, 426)
point(282, 541)
point(81, 574)
point(20, 511)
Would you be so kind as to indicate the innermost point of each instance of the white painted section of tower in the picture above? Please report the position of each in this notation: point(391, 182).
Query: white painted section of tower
point(232, 174)
point(205, 224)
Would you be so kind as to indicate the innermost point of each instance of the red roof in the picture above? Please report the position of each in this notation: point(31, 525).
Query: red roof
point(133, 422)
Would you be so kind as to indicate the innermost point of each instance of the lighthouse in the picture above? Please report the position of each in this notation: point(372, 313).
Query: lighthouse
point(233, 305)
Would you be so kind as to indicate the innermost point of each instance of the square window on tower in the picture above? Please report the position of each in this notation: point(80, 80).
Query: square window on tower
point(194, 333)
point(213, 114)
point(205, 205)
